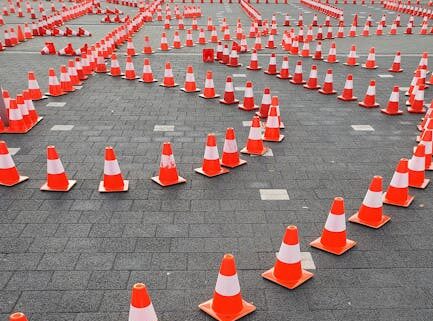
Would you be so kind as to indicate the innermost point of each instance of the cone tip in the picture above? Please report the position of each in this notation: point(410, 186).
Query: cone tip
point(337, 206)
point(228, 265)
point(291, 235)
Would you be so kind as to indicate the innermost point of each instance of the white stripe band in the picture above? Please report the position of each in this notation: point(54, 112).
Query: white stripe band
point(335, 223)
point(227, 285)
point(373, 199)
point(400, 180)
point(142, 314)
point(289, 254)
point(211, 153)
point(111, 167)
point(55, 166)
point(6, 162)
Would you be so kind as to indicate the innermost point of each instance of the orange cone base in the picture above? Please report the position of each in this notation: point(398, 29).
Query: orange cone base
point(350, 65)
point(297, 83)
point(169, 48)
point(180, 180)
point(222, 101)
point(416, 111)
point(7, 130)
point(247, 309)
point(241, 106)
point(102, 188)
point(400, 70)
point(190, 91)
point(272, 140)
point(327, 92)
point(175, 85)
point(46, 188)
point(272, 47)
point(334, 250)
point(22, 179)
point(135, 78)
point(364, 66)
point(148, 82)
point(423, 185)
point(362, 104)
point(279, 76)
point(48, 94)
point(331, 62)
point(222, 171)
point(238, 65)
point(205, 97)
point(270, 73)
point(121, 74)
point(241, 162)
point(347, 99)
point(261, 153)
point(355, 219)
point(406, 203)
point(290, 284)
point(258, 68)
point(385, 111)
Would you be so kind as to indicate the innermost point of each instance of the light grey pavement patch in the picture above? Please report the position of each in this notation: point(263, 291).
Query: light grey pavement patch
point(56, 104)
point(239, 76)
point(274, 194)
point(367, 128)
point(163, 128)
point(307, 261)
point(385, 76)
point(62, 127)
point(239, 88)
point(13, 151)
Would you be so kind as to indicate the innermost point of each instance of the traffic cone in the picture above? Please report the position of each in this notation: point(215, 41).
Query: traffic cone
point(426, 139)
point(234, 59)
point(371, 60)
point(312, 80)
point(65, 80)
point(35, 91)
point(284, 71)
point(332, 55)
point(287, 270)
point(130, 70)
point(266, 104)
point(271, 42)
point(370, 212)
point(328, 84)
point(395, 67)
point(141, 307)
point(147, 74)
point(115, 70)
point(211, 166)
point(333, 239)
point(177, 44)
point(209, 88)
point(230, 157)
point(398, 189)
point(113, 180)
point(54, 87)
point(168, 80)
point(130, 49)
point(254, 64)
point(9, 175)
point(201, 37)
point(297, 75)
point(229, 93)
point(24, 111)
point(370, 97)
point(147, 49)
point(190, 86)
point(318, 52)
point(73, 74)
point(101, 67)
point(248, 101)
point(164, 43)
point(351, 58)
point(272, 67)
point(417, 106)
point(17, 123)
point(416, 167)
point(168, 175)
point(305, 51)
point(255, 144)
point(393, 104)
point(272, 127)
point(225, 57)
point(57, 180)
point(31, 108)
point(189, 42)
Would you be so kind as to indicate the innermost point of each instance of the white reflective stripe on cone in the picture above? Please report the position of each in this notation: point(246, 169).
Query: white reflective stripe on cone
point(289, 254)
point(230, 146)
point(266, 100)
point(211, 153)
point(229, 87)
point(248, 92)
point(328, 78)
point(167, 161)
point(15, 114)
point(349, 84)
point(400, 180)
point(33, 84)
point(371, 91)
point(52, 80)
point(335, 223)
point(428, 147)
point(6, 162)
point(227, 285)
point(394, 97)
point(142, 314)
point(55, 166)
point(417, 163)
point(373, 199)
point(111, 167)
point(272, 122)
point(189, 78)
point(168, 73)
point(255, 133)
point(209, 83)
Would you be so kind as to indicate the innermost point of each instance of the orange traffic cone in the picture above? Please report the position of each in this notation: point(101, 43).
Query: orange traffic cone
point(248, 101)
point(334, 239)
point(209, 88)
point(371, 60)
point(284, 71)
point(312, 80)
point(332, 55)
point(130, 70)
point(371, 211)
point(398, 189)
point(31, 108)
point(318, 52)
point(351, 58)
point(272, 128)
point(393, 104)
point(396, 64)
point(115, 70)
point(164, 43)
point(177, 44)
point(426, 139)
point(147, 49)
point(24, 111)
point(130, 49)
point(35, 91)
point(417, 106)
point(57, 180)
point(370, 97)
point(234, 59)
point(272, 67)
point(190, 86)
point(168, 80)
point(227, 303)
point(9, 175)
point(297, 75)
point(113, 179)
point(17, 124)
point(254, 64)
point(266, 104)
point(141, 307)
point(147, 74)
point(65, 80)
point(328, 84)
point(255, 144)
point(416, 166)
point(347, 94)
point(287, 270)
point(230, 157)
point(54, 87)
point(229, 93)
point(211, 166)
point(168, 175)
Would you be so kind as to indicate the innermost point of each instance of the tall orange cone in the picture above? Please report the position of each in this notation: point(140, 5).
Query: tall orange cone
point(370, 97)
point(229, 93)
point(9, 175)
point(230, 157)
point(35, 91)
point(168, 175)
point(227, 303)
point(347, 94)
point(312, 80)
point(416, 166)
point(334, 239)
point(266, 103)
point(370, 212)
point(190, 85)
point(141, 307)
point(318, 52)
point(272, 128)
point(130, 70)
point(164, 43)
point(147, 74)
point(248, 101)
point(209, 88)
point(211, 166)
point(168, 80)
point(113, 180)
point(393, 104)
point(371, 60)
point(54, 87)
point(255, 144)
point(272, 67)
point(396, 64)
point(297, 75)
point(57, 180)
point(130, 49)
point(328, 84)
point(398, 190)
point(115, 70)
point(287, 270)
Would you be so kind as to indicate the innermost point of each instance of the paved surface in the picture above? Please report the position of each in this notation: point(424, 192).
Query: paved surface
point(75, 256)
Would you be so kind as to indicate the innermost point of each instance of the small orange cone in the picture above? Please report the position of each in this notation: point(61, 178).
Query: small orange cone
point(287, 270)
point(234, 59)
point(396, 64)
point(371, 60)
point(272, 67)
point(17, 124)
point(248, 101)
point(177, 44)
point(164, 43)
point(370, 97)
point(130, 70)
point(255, 144)
point(272, 128)
point(328, 84)
point(9, 175)
point(284, 71)
point(371, 211)
point(393, 104)
point(190, 85)
point(229, 93)
point(54, 87)
point(351, 58)
point(57, 180)
point(130, 49)
point(147, 74)
point(254, 64)
point(65, 80)
point(115, 70)
point(168, 80)
point(417, 106)
point(141, 307)
point(347, 94)
point(209, 88)
point(426, 139)
point(318, 52)
point(266, 104)
point(398, 189)
point(34, 116)
point(334, 239)
point(35, 91)
point(211, 166)
point(147, 49)
point(297, 75)
point(312, 80)
point(113, 179)
point(168, 175)
point(227, 303)
point(189, 42)
point(332, 55)
point(73, 74)
point(230, 157)
point(101, 67)
point(24, 111)
point(416, 166)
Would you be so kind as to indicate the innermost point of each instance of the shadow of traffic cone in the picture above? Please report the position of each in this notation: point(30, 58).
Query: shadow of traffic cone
point(297, 75)
point(272, 127)
point(398, 190)
point(54, 87)
point(370, 97)
point(230, 157)
point(396, 64)
point(351, 58)
point(35, 91)
point(287, 270)
point(393, 104)
point(371, 60)
point(312, 80)
point(190, 85)
point(115, 70)
point(168, 175)
point(254, 64)
point(141, 307)
point(255, 144)
point(248, 103)
point(211, 166)
point(113, 180)
point(370, 212)
point(229, 93)
point(416, 167)
point(147, 74)
point(209, 88)
point(266, 104)
point(9, 175)
point(227, 303)
point(272, 67)
point(129, 70)
point(168, 80)
point(57, 180)
point(334, 239)
point(328, 84)
point(284, 71)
